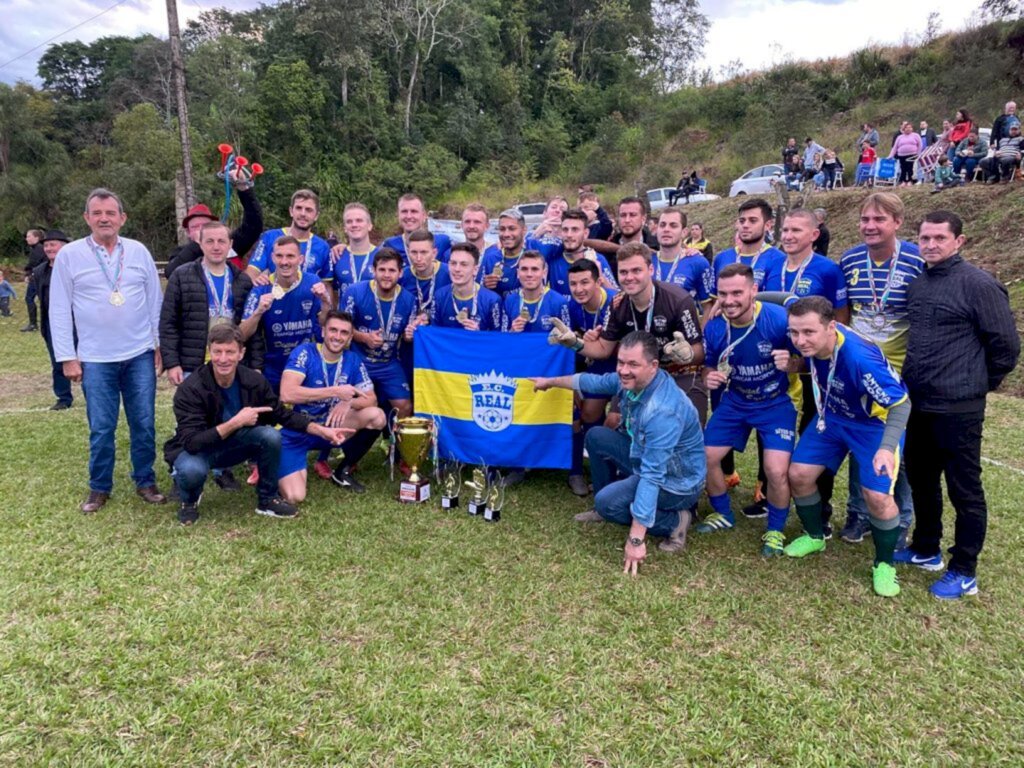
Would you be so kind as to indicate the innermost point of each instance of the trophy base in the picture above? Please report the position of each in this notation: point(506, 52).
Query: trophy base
point(413, 493)
point(492, 515)
point(475, 507)
point(449, 502)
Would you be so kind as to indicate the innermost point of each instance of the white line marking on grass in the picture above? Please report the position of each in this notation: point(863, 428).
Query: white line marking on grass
point(1001, 465)
point(46, 409)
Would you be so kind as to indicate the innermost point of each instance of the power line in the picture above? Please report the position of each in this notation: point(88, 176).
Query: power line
point(61, 34)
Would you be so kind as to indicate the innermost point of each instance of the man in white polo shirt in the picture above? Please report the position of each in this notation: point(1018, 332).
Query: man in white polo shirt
point(106, 287)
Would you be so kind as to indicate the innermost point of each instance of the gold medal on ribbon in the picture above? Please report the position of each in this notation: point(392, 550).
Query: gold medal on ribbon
point(498, 270)
point(725, 369)
point(277, 292)
point(524, 313)
point(117, 298)
point(463, 315)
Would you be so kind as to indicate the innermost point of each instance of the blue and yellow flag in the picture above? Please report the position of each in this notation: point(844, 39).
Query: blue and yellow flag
point(475, 386)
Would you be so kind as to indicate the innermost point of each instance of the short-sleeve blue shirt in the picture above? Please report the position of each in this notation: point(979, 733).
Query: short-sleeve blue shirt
point(558, 270)
point(762, 263)
point(290, 321)
point(353, 268)
point(487, 311)
point(691, 273)
point(359, 301)
point(754, 377)
point(582, 320)
point(509, 269)
point(442, 243)
point(551, 304)
point(425, 289)
point(820, 277)
point(316, 254)
point(307, 360)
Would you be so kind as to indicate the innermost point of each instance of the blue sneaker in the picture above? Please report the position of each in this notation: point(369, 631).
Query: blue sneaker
point(907, 556)
point(953, 586)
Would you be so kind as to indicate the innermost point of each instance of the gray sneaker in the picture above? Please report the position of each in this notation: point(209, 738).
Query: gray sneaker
point(676, 542)
point(590, 516)
point(855, 530)
point(578, 485)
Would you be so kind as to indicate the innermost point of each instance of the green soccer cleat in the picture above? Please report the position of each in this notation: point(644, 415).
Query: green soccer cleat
point(804, 546)
point(883, 576)
point(774, 542)
point(716, 522)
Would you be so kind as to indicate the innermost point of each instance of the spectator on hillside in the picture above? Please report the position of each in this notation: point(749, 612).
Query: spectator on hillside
point(789, 151)
point(698, 242)
point(899, 131)
point(811, 148)
point(1001, 125)
point(820, 245)
point(962, 125)
point(944, 176)
point(865, 163)
point(830, 166)
point(34, 241)
point(906, 148)
point(868, 134)
point(927, 134)
point(968, 154)
point(688, 185)
point(795, 176)
point(1004, 163)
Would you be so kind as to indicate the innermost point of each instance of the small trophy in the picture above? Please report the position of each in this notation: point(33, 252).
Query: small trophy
point(478, 501)
point(495, 500)
point(451, 484)
point(413, 436)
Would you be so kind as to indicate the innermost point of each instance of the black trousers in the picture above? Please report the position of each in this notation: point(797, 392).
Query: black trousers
point(947, 444)
point(30, 302)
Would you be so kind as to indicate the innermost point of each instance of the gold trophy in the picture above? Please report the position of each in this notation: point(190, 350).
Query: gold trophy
point(413, 436)
point(495, 500)
point(478, 485)
point(451, 483)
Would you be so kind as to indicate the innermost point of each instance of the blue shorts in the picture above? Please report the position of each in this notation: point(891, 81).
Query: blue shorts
point(294, 449)
point(733, 419)
point(829, 448)
point(389, 380)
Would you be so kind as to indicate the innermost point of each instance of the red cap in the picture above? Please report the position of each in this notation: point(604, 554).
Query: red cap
point(194, 212)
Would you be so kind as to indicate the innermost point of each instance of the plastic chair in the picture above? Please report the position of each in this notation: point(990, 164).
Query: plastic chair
point(886, 172)
point(838, 180)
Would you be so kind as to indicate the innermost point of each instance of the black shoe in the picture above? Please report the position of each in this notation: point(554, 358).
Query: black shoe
point(188, 513)
point(60, 405)
point(826, 520)
point(30, 328)
point(756, 510)
point(276, 507)
point(826, 529)
point(226, 481)
point(343, 476)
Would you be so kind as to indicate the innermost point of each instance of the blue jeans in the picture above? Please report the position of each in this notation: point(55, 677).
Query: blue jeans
point(965, 164)
point(105, 385)
point(613, 497)
point(855, 504)
point(61, 383)
point(260, 443)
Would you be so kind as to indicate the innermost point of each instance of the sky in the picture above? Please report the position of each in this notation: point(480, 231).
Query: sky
point(759, 33)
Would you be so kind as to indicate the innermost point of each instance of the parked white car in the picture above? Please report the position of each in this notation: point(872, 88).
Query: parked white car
point(658, 198)
point(757, 181)
point(533, 213)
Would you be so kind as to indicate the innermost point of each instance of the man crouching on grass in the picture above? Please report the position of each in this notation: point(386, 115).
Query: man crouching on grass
point(650, 471)
point(226, 415)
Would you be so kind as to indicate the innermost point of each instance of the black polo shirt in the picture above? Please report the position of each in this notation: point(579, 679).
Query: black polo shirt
point(674, 310)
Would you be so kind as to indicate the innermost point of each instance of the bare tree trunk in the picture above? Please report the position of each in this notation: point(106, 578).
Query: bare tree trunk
point(413, 74)
point(178, 68)
point(344, 87)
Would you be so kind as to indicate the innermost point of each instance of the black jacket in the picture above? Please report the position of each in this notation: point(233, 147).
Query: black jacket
point(242, 239)
point(36, 256)
point(41, 275)
point(198, 404)
point(185, 317)
point(963, 340)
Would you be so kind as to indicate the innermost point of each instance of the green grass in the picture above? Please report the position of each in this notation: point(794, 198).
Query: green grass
point(369, 633)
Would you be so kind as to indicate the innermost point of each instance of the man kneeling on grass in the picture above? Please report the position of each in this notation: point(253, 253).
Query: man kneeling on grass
point(226, 415)
point(648, 473)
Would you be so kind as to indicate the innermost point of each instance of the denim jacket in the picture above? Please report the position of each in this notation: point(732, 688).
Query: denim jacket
point(666, 442)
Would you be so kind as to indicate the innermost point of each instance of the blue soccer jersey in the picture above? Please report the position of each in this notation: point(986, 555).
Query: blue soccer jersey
point(818, 276)
point(291, 320)
point(861, 387)
point(484, 306)
point(877, 293)
point(307, 360)
point(509, 281)
point(371, 313)
point(763, 263)
point(691, 273)
point(558, 270)
point(582, 320)
point(442, 243)
point(353, 268)
point(425, 289)
point(745, 352)
point(316, 254)
point(548, 246)
point(537, 313)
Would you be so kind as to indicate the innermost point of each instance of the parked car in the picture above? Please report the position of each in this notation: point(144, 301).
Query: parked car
point(658, 198)
point(757, 181)
point(532, 212)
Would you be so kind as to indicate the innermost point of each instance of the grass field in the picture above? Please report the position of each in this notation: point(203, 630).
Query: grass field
point(371, 634)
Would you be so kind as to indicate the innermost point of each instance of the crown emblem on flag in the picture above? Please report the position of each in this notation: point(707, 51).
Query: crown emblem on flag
point(493, 396)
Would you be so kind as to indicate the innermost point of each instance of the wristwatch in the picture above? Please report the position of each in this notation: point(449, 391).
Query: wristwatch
point(636, 541)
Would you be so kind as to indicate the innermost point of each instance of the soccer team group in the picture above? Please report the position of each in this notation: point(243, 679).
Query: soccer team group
point(781, 341)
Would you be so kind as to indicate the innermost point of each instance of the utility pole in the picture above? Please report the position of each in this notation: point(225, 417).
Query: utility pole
point(178, 68)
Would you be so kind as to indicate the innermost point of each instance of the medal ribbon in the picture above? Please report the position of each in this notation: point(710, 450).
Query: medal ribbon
point(799, 274)
point(384, 327)
point(356, 276)
point(597, 314)
point(522, 305)
point(755, 257)
point(650, 313)
point(730, 345)
point(101, 256)
point(220, 305)
point(879, 304)
point(425, 305)
point(309, 247)
point(328, 382)
point(820, 402)
point(455, 302)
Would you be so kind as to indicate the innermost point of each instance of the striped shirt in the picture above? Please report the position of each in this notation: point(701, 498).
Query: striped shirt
point(889, 327)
